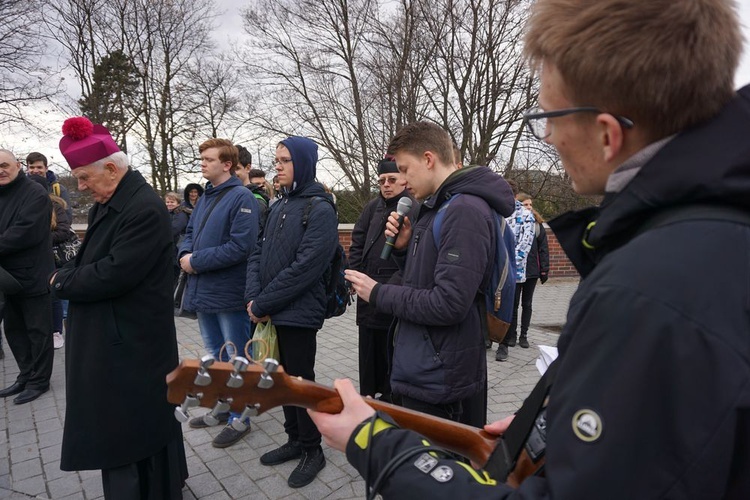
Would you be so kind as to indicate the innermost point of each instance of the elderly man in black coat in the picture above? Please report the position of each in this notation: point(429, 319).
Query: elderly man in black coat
point(26, 254)
point(121, 342)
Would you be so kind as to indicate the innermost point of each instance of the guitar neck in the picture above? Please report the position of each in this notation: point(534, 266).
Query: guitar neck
point(470, 442)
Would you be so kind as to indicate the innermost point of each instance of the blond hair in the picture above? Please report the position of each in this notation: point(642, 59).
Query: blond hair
point(665, 64)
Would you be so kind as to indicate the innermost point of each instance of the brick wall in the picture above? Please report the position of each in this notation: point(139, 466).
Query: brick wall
point(559, 265)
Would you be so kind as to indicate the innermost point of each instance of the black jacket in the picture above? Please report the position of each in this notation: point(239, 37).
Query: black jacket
point(656, 344)
point(285, 273)
point(25, 236)
point(121, 342)
point(537, 264)
point(368, 240)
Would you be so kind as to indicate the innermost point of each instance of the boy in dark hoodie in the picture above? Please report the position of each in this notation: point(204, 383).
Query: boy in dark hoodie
point(285, 284)
point(439, 364)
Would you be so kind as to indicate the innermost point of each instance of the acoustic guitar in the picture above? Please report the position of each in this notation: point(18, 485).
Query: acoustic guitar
point(252, 388)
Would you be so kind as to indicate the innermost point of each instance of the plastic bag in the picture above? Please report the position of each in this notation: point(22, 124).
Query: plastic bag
point(264, 342)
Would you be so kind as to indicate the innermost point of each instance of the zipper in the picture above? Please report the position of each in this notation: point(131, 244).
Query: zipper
point(416, 244)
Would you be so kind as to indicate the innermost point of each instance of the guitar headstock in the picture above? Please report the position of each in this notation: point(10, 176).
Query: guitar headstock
point(242, 386)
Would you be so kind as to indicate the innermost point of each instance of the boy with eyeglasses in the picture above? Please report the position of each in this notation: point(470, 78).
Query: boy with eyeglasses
point(285, 284)
point(368, 240)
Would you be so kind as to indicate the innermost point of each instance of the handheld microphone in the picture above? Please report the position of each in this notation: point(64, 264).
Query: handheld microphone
point(404, 205)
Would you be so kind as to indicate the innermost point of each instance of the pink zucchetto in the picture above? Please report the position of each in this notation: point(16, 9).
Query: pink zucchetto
point(83, 143)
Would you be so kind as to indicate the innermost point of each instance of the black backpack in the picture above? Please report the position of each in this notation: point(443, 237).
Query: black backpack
point(337, 288)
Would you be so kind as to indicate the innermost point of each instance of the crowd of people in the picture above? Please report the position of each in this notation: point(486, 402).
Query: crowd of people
point(654, 355)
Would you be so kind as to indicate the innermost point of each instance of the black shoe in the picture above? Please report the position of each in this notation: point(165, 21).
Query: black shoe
point(285, 453)
point(502, 353)
point(488, 344)
point(523, 342)
point(14, 389)
point(28, 395)
point(308, 467)
point(511, 342)
point(229, 436)
point(200, 423)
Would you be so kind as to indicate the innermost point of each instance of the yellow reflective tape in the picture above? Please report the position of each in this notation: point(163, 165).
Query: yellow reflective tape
point(585, 243)
point(432, 453)
point(363, 435)
point(484, 478)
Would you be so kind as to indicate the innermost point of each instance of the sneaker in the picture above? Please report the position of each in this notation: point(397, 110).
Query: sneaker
point(200, 423)
point(285, 453)
point(312, 462)
point(523, 342)
point(511, 342)
point(58, 340)
point(502, 353)
point(229, 436)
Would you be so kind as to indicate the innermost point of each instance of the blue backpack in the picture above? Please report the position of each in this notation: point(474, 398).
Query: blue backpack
point(500, 290)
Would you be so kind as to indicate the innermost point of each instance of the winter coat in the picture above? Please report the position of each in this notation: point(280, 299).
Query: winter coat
point(178, 219)
point(62, 232)
point(656, 344)
point(537, 263)
point(121, 340)
point(439, 353)
point(25, 237)
point(368, 240)
point(522, 224)
point(221, 249)
point(285, 274)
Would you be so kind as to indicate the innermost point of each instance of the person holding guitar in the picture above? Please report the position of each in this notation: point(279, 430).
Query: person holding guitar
point(651, 392)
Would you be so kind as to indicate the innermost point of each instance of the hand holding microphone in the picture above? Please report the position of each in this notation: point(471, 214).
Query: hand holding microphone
point(399, 236)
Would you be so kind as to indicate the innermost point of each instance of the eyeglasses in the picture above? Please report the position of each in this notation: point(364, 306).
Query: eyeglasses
point(536, 119)
point(390, 180)
point(282, 161)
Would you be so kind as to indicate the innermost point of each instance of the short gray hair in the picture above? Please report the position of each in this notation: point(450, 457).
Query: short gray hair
point(119, 158)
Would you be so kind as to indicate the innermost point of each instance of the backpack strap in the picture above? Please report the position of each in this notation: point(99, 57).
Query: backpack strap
point(437, 224)
point(308, 209)
point(56, 188)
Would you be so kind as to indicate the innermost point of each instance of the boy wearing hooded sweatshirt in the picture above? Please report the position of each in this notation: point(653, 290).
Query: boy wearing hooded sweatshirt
point(439, 364)
point(285, 284)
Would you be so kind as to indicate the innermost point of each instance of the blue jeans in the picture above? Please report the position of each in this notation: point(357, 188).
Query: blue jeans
point(219, 328)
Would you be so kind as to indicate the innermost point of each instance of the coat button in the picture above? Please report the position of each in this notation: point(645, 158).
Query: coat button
point(58, 285)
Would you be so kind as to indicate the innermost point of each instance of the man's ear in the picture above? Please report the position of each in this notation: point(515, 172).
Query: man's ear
point(611, 136)
point(430, 157)
point(111, 168)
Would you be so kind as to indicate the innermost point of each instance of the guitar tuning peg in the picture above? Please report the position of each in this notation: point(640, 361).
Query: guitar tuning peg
point(270, 365)
point(235, 379)
point(222, 406)
point(250, 411)
point(203, 378)
point(181, 412)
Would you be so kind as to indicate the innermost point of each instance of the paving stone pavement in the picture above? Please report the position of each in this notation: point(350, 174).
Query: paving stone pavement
point(30, 450)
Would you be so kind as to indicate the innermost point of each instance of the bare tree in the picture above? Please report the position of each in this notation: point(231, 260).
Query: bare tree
point(23, 79)
point(160, 40)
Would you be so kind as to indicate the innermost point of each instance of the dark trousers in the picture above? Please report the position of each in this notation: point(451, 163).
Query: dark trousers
point(158, 477)
point(524, 296)
point(57, 315)
point(475, 408)
point(373, 362)
point(297, 348)
point(28, 330)
point(450, 411)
